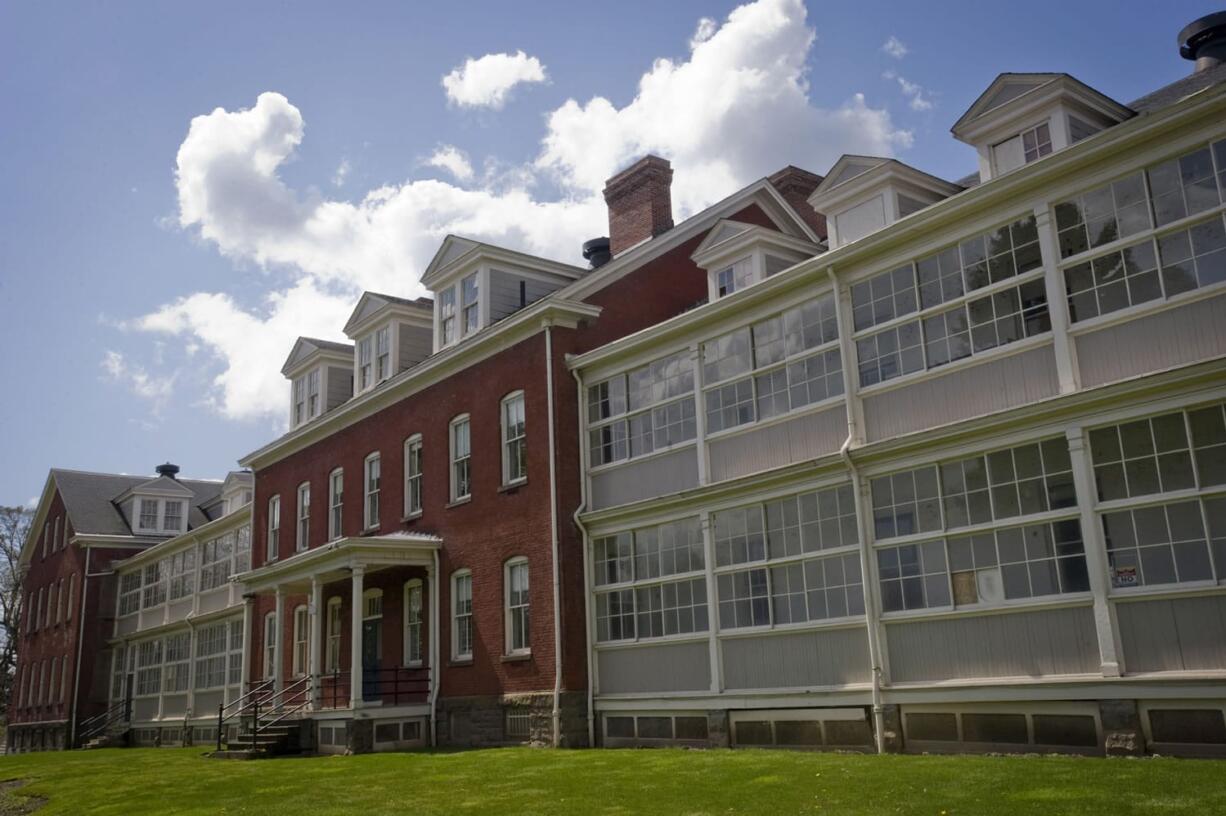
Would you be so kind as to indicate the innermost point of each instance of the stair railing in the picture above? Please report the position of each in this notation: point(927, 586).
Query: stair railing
point(99, 723)
point(240, 706)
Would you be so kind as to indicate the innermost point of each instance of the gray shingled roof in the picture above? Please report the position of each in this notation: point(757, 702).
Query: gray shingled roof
point(330, 345)
point(418, 303)
point(1179, 89)
point(89, 499)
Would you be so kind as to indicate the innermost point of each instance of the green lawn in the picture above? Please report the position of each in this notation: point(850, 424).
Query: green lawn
point(515, 780)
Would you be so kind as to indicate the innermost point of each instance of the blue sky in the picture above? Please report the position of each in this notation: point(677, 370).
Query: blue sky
point(153, 270)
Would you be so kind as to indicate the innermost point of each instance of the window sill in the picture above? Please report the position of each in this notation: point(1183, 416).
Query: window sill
point(511, 487)
point(371, 530)
point(458, 502)
point(456, 662)
point(416, 514)
point(517, 657)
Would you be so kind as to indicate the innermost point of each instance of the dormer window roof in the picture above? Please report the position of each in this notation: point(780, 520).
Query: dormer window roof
point(320, 377)
point(736, 255)
point(1022, 117)
point(157, 507)
point(390, 334)
point(862, 194)
point(237, 490)
point(475, 285)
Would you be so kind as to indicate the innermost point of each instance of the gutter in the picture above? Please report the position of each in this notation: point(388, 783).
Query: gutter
point(870, 596)
point(553, 534)
point(435, 674)
point(587, 569)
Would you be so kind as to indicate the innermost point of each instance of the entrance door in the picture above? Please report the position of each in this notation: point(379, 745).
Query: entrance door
point(371, 649)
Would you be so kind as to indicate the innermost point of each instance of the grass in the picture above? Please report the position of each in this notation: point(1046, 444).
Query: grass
point(666, 781)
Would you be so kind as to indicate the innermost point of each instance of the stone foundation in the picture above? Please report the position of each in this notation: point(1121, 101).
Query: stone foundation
point(1122, 734)
point(23, 739)
point(891, 729)
point(512, 719)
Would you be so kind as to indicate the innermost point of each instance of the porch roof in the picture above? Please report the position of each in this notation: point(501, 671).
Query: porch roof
point(335, 560)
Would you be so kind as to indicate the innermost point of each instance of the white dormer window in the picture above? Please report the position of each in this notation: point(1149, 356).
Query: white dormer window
point(365, 370)
point(470, 301)
point(148, 514)
point(735, 277)
point(1029, 145)
point(172, 516)
point(446, 314)
point(313, 393)
point(299, 401)
point(306, 397)
point(383, 353)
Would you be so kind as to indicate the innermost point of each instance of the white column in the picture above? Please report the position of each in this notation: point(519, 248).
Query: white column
point(355, 641)
point(278, 652)
point(714, 653)
point(248, 619)
point(315, 613)
point(1057, 302)
point(700, 416)
point(1096, 555)
point(435, 650)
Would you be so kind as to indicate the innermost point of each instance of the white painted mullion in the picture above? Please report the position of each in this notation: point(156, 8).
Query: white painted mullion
point(714, 646)
point(1105, 624)
point(1067, 371)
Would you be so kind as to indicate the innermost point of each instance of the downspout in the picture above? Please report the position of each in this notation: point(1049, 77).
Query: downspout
point(435, 674)
point(587, 570)
point(874, 646)
point(76, 672)
point(553, 533)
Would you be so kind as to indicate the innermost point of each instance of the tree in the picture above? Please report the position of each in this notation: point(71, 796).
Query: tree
point(14, 525)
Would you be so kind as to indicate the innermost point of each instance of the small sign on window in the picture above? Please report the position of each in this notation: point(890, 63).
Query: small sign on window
point(1124, 576)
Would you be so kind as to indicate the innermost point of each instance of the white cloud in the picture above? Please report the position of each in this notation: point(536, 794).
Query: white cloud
point(742, 94)
point(156, 389)
point(486, 82)
point(453, 160)
point(919, 98)
point(342, 173)
point(705, 29)
point(895, 47)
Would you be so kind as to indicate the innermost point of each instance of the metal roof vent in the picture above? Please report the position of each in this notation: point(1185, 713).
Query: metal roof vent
point(596, 252)
point(168, 470)
point(1204, 41)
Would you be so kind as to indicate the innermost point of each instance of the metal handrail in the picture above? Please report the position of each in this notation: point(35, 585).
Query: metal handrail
point(262, 686)
point(222, 716)
point(100, 722)
point(260, 696)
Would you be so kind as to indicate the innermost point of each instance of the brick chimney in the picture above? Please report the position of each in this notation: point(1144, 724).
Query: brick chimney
point(796, 185)
point(640, 202)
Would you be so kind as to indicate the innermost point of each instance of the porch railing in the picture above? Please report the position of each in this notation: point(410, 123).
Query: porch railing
point(99, 723)
point(238, 707)
point(394, 685)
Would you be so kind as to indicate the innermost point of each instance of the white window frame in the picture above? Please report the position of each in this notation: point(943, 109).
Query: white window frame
point(511, 610)
point(302, 520)
point(302, 628)
point(456, 460)
point(461, 618)
point(414, 625)
point(336, 500)
point(447, 333)
point(270, 644)
point(298, 412)
point(272, 539)
point(520, 441)
point(383, 353)
point(140, 517)
point(474, 306)
point(414, 483)
point(366, 363)
point(336, 626)
point(371, 499)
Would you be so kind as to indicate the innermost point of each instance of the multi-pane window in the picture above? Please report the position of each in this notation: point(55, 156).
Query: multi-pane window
point(335, 626)
point(1145, 456)
point(272, 540)
point(1209, 444)
point(650, 408)
point(223, 556)
point(1036, 142)
point(906, 503)
point(744, 599)
point(734, 277)
point(975, 325)
point(1102, 215)
point(1018, 562)
point(148, 514)
point(365, 364)
point(306, 397)
point(517, 617)
point(1028, 479)
point(412, 476)
point(301, 640)
point(514, 440)
point(792, 360)
point(300, 414)
point(1185, 186)
point(129, 594)
point(383, 353)
point(312, 393)
point(446, 317)
point(336, 503)
point(649, 558)
point(211, 656)
point(470, 303)
point(234, 674)
point(462, 615)
point(154, 586)
point(461, 458)
point(413, 623)
point(372, 470)
point(270, 644)
point(176, 670)
point(149, 667)
point(182, 573)
point(1166, 543)
point(172, 515)
point(913, 576)
point(242, 549)
point(304, 517)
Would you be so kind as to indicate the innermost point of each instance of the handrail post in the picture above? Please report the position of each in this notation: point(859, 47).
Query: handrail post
point(255, 725)
point(221, 708)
